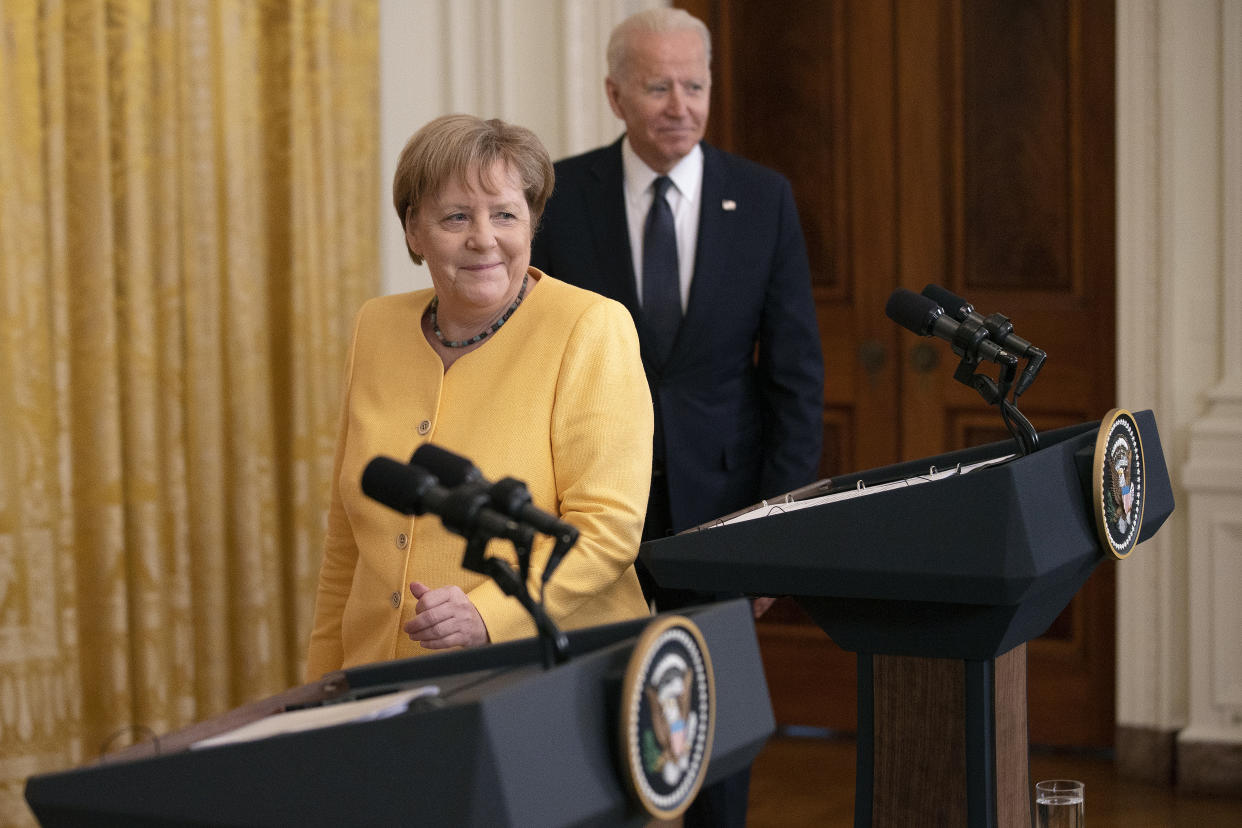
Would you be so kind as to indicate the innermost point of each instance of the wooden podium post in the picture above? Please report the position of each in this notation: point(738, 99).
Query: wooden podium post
point(931, 728)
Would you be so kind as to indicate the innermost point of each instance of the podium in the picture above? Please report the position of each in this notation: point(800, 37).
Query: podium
point(502, 742)
point(936, 586)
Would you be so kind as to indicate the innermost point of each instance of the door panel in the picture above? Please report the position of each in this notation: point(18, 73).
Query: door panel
point(966, 143)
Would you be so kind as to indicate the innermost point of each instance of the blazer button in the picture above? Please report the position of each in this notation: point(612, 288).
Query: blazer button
point(403, 540)
point(424, 427)
point(396, 600)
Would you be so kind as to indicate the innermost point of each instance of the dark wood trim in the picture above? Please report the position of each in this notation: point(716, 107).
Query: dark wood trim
point(944, 737)
point(1013, 800)
point(719, 19)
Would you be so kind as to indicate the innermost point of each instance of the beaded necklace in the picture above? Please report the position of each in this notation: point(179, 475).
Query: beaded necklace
point(479, 337)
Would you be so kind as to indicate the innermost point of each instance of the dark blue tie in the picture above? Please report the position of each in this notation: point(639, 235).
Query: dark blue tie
point(661, 291)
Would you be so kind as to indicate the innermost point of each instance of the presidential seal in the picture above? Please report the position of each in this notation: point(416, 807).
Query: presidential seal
point(668, 716)
point(1117, 483)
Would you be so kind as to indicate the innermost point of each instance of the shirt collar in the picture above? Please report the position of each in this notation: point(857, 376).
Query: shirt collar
point(687, 175)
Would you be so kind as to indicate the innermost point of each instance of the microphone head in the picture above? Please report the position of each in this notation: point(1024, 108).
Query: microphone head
point(954, 305)
point(397, 485)
point(451, 469)
point(912, 311)
point(509, 495)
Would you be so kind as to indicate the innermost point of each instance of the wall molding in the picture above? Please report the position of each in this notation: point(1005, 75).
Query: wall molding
point(1179, 132)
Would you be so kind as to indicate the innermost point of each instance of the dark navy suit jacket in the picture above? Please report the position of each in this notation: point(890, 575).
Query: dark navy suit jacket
point(740, 398)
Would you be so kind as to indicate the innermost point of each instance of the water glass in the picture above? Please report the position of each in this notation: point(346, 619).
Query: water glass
point(1059, 804)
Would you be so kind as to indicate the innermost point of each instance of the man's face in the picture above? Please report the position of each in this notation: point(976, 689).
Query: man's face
point(663, 96)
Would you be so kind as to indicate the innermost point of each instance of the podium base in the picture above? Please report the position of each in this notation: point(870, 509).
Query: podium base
point(945, 738)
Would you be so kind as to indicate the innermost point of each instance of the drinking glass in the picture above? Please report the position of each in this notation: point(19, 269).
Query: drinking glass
point(1059, 804)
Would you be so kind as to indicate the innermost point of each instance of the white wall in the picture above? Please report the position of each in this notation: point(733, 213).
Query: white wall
point(538, 63)
point(1179, 273)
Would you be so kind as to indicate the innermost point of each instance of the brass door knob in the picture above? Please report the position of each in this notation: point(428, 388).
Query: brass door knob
point(923, 358)
point(872, 355)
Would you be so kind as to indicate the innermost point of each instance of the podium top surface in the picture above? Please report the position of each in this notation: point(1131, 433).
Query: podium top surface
point(501, 742)
point(994, 536)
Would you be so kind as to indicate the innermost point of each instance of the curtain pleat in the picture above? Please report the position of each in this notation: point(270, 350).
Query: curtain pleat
point(187, 226)
point(40, 699)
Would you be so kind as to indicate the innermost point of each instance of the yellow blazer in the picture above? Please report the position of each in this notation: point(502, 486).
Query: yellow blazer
point(556, 398)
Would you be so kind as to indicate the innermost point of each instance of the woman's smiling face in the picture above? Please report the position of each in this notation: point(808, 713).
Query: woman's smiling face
point(476, 243)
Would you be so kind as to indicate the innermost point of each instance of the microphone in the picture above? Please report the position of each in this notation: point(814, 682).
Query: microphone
point(409, 490)
point(452, 470)
point(999, 328)
point(953, 305)
point(969, 339)
point(511, 497)
point(507, 496)
point(412, 490)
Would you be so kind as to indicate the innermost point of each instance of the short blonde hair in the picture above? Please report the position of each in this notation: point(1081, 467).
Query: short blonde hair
point(661, 20)
point(454, 147)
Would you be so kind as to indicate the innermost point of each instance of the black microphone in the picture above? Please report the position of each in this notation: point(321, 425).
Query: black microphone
point(999, 328)
point(412, 490)
point(452, 470)
point(509, 496)
point(953, 305)
point(409, 490)
point(969, 339)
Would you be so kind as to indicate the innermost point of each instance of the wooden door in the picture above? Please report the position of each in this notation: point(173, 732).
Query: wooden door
point(967, 143)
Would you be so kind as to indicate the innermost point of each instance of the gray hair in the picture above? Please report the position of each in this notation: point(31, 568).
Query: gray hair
point(451, 146)
point(660, 20)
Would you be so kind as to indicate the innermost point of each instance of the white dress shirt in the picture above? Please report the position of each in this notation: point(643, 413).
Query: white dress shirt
point(684, 199)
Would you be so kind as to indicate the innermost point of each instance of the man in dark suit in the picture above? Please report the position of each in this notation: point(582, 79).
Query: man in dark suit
point(706, 251)
point(738, 382)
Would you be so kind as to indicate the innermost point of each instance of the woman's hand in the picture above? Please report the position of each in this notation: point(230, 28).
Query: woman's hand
point(444, 618)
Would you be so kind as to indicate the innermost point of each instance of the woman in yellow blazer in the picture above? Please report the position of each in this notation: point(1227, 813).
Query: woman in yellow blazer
point(525, 375)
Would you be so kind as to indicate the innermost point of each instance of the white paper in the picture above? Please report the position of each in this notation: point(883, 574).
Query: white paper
point(325, 715)
point(767, 509)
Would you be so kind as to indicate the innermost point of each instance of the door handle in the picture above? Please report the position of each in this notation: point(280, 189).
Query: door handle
point(872, 355)
point(923, 358)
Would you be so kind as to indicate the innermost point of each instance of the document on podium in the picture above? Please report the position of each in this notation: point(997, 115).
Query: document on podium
point(325, 715)
point(776, 507)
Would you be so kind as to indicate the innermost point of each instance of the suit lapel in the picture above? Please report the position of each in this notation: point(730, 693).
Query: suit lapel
point(609, 226)
point(711, 259)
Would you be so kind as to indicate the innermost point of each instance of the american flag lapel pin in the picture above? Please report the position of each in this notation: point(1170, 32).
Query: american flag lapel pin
point(728, 205)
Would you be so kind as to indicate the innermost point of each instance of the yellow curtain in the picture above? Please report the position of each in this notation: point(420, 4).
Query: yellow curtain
point(189, 198)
